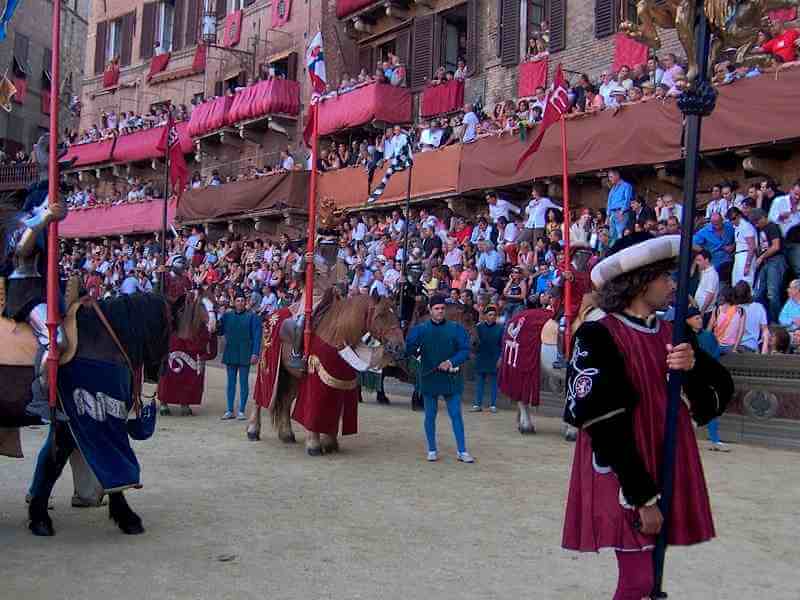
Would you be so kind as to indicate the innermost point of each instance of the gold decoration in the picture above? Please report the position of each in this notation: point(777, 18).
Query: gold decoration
point(315, 366)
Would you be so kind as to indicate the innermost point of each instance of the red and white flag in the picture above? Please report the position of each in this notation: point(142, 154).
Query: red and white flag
point(315, 63)
point(557, 105)
point(170, 145)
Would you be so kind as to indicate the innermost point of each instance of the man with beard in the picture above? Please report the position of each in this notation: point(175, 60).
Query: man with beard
point(617, 397)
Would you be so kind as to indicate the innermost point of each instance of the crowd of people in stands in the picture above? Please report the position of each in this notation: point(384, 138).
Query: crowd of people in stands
point(122, 191)
point(112, 124)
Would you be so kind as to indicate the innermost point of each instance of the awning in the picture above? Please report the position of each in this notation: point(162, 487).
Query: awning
point(125, 219)
point(640, 134)
point(365, 104)
point(209, 116)
point(92, 153)
point(278, 190)
point(435, 174)
point(346, 8)
point(142, 144)
point(442, 99)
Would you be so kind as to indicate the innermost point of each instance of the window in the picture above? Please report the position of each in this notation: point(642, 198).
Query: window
point(630, 13)
point(113, 40)
point(21, 45)
point(236, 5)
point(165, 21)
point(536, 13)
point(453, 37)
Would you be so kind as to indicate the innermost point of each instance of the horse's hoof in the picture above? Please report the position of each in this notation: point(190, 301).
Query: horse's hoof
point(287, 438)
point(253, 436)
point(382, 398)
point(314, 451)
point(527, 430)
point(118, 511)
point(164, 411)
point(132, 528)
point(42, 527)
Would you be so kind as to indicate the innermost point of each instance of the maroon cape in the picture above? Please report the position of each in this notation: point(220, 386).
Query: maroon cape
point(182, 381)
point(594, 516)
point(269, 364)
point(329, 393)
point(520, 363)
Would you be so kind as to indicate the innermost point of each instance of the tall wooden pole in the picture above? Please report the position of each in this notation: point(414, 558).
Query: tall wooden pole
point(312, 229)
point(53, 316)
point(696, 103)
point(568, 316)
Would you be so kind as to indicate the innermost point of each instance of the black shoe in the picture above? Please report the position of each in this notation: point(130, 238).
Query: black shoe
point(118, 511)
point(186, 411)
point(164, 411)
point(40, 522)
point(382, 398)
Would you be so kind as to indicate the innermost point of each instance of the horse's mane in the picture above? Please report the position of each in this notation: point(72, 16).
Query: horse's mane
point(139, 320)
point(343, 321)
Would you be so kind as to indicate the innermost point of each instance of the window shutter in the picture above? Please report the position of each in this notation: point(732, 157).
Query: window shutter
point(605, 17)
point(128, 29)
point(100, 47)
point(509, 32)
point(472, 36)
point(558, 25)
point(47, 60)
point(148, 30)
point(192, 21)
point(177, 25)
point(222, 10)
point(402, 46)
point(365, 59)
point(291, 66)
point(219, 88)
point(249, 2)
point(21, 44)
point(422, 60)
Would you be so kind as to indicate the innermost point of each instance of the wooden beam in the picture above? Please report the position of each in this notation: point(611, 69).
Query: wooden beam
point(662, 175)
point(768, 167)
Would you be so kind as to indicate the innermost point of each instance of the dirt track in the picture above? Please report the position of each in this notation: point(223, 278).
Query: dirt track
point(227, 518)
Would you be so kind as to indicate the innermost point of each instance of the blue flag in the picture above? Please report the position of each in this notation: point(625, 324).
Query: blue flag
point(8, 12)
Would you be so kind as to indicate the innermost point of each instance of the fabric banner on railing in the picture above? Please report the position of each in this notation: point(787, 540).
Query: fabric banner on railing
point(45, 102)
point(281, 12)
point(158, 64)
point(628, 52)
point(111, 76)
point(233, 29)
point(199, 62)
point(532, 74)
point(365, 104)
point(442, 99)
point(22, 90)
point(141, 217)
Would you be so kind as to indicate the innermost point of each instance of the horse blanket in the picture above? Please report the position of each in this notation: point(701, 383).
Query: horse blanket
point(182, 380)
point(329, 392)
point(269, 364)
point(520, 368)
point(96, 397)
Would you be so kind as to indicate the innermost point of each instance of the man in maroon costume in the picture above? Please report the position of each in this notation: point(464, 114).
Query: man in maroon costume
point(617, 397)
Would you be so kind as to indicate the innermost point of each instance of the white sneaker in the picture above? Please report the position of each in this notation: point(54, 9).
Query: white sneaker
point(493, 410)
point(241, 416)
point(465, 457)
point(227, 416)
point(433, 456)
point(475, 408)
point(719, 447)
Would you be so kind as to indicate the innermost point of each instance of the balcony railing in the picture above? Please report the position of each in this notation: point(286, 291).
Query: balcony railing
point(17, 177)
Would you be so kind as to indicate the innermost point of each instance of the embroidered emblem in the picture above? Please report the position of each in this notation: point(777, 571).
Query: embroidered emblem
point(579, 386)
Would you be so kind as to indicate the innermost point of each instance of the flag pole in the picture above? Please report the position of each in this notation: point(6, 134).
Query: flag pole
point(694, 103)
point(53, 316)
point(312, 229)
point(568, 316)
point(163, 257)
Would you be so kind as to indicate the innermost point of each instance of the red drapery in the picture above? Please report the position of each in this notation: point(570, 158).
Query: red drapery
point(532, 74)
point(45, 102)
point(158, 64)
point(111, 76)
point(124, 219)
point(783, 14)
point(91, 154)
point(628, 52)
point(281, 12)
point(233, 29)
point(142, 144)
point(22, 90)
point(372, 102)
point(443, 98)
point(199, 62)
point(348, 7)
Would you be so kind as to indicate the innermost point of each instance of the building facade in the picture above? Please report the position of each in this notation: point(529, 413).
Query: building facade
point(26, 55)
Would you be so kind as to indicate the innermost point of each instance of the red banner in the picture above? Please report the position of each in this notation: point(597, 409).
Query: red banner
point(783, 14)
point(233, 29)
point(158, 64)
point(281, 12)
point(520, 362)
point(532, 74)
point(22, 89)
point(126, 219)
point(199, 62)
point(111, 76)
point(45, 102)
point(442, 99)
point(628, 52)
point(371, 102)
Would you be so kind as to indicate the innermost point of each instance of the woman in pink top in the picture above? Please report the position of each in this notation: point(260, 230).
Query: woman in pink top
point(727, 322)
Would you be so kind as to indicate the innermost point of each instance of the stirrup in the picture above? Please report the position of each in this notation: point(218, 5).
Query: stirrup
point(297, 361)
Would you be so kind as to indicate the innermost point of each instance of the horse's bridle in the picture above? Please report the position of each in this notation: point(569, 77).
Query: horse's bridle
point(379, 335)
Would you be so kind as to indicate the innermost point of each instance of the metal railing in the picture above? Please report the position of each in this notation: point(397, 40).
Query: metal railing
point(17, 177)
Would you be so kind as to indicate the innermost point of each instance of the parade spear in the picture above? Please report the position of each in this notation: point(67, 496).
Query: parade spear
point(695, 103)
point(53, 316)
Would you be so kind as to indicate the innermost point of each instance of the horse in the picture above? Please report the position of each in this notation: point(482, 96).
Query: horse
point(340, 323)
point(135, 336)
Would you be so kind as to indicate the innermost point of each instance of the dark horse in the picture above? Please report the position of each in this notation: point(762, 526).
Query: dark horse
point(141, 323)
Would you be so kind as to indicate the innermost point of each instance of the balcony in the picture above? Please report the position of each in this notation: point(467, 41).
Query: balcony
point(373, 103)
point(442, 99)
point(17, 177)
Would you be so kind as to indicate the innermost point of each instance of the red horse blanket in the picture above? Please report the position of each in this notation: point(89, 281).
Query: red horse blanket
point(329, 393)
point(182, 380)
point(269, 365)
point(520, 362)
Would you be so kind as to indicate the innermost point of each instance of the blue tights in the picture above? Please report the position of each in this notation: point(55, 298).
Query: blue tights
point(454, 410)
point(483, 378)
point(243, 373)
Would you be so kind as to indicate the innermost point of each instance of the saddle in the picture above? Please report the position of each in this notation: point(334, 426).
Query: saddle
point(18, 344)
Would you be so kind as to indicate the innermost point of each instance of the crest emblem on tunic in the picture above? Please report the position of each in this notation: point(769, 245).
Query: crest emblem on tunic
point(515, 328)
point(583, 385)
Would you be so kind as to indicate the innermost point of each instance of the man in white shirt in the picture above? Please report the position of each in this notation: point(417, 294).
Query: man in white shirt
point(785, 210)
point(717, 204)
point(391, 275)
point(287, 162)
point(499, 207)
point(707, 290)
point(744, 256)
point(378, 288)
point(536, 210)
point(359, 229)
point(454, 256)
point(670, 208)
point(471, 122)
point(130, 285)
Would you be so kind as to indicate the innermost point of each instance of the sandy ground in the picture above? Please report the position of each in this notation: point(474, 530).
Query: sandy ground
point(228, 518)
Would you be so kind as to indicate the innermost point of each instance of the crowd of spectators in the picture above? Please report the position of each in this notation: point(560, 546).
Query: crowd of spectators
point(112, 124)
point(122, 191)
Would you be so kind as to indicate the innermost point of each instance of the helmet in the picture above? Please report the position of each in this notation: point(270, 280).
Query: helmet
point(179, 264)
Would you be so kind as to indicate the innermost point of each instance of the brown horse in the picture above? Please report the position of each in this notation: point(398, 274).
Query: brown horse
point(339, 322)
